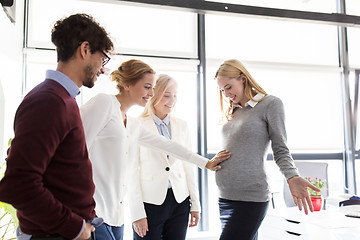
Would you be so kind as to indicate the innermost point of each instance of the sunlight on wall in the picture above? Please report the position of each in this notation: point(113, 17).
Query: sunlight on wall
point(2, 115)
point(11, 79)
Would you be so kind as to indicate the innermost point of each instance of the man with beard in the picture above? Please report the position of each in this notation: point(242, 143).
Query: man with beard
point(49, 176)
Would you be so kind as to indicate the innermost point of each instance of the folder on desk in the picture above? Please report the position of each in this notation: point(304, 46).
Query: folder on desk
point(354, 200)
point(342, 200)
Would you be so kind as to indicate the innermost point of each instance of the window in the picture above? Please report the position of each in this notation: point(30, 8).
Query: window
point(288, 61)
point(10, 80)
point(134, 29)
point(353, 46)
point(264, 40)
point(352, 7)
point(295, 61)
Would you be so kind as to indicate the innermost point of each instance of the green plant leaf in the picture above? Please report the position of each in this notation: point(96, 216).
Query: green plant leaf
point(9, 142)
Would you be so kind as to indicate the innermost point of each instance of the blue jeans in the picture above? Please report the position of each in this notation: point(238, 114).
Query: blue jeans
point(241, 220)
point(106, 232)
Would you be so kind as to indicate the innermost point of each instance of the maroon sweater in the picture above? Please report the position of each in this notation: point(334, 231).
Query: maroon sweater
point(49, 176)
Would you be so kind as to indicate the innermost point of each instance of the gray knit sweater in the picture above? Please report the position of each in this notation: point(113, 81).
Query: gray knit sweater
point(247, 136)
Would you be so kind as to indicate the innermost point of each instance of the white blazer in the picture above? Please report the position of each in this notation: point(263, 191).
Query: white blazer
point(149, 177)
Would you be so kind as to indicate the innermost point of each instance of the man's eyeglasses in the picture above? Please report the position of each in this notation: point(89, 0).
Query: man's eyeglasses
point(105, 60)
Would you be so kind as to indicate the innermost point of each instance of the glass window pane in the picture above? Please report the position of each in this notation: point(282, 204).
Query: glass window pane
point(37, 62)
point(354, 47)
point(134, 29)
point(326, 6)
point(264, 40)
point(353, 7)
point(352, 83)
point(10, 79)
point(313, 115)
point(357, 175)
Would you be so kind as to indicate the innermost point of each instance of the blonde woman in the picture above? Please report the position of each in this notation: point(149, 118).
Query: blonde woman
point(253, 120)
point(163, 190)
point(112, 137)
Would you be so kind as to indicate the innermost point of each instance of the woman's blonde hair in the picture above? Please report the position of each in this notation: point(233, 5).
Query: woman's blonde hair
point(129, 73)
point(163, 83)
point(235, 69)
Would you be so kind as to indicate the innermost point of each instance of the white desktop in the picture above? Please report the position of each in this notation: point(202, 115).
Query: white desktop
point(330, 224)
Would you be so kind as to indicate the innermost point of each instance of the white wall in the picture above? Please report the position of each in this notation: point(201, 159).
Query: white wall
point(2, 106)
point(11, 73)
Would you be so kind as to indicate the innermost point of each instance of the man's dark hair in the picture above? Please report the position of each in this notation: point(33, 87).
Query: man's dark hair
point(68, 33)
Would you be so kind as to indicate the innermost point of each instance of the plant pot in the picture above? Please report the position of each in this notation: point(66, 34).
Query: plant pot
point(316, 202)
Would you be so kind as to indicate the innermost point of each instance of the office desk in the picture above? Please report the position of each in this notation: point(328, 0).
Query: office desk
point(290, 223)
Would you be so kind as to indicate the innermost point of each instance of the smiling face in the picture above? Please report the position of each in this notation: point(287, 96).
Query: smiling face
point(233, 89)
point(166, 103)
point(94, 69)
point(142, 90)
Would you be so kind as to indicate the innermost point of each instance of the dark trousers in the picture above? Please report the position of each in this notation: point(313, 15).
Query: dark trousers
point(168, 221)
point(241, 220)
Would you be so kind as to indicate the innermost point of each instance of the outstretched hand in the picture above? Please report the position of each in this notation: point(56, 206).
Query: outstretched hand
point(221, 156)
point(298, 188)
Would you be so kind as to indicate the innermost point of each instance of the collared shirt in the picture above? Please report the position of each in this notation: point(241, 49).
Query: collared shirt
point(64, 81)
point(166, 121)
point(250, 103)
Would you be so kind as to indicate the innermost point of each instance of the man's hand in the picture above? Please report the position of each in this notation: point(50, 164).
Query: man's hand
point(86, 233)
point(141, 227)
point(219, 157)
point(298, 188)
point(194, 219)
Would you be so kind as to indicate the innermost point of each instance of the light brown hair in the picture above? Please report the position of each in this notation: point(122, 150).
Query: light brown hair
point(129, 73)
point(235, 69)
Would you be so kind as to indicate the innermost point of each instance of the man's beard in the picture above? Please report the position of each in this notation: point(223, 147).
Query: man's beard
point(90, 77)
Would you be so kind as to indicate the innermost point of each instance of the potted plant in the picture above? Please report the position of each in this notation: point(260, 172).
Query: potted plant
point(316, 197)
point(8, 219)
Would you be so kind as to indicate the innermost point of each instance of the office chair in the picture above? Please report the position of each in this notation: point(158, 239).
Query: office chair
point(312, 170)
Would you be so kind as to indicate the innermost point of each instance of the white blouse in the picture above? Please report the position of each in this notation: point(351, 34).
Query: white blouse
point(111, 146)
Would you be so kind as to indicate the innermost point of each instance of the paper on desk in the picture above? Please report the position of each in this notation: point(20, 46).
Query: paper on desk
point(333, 219)
point(346, 236)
